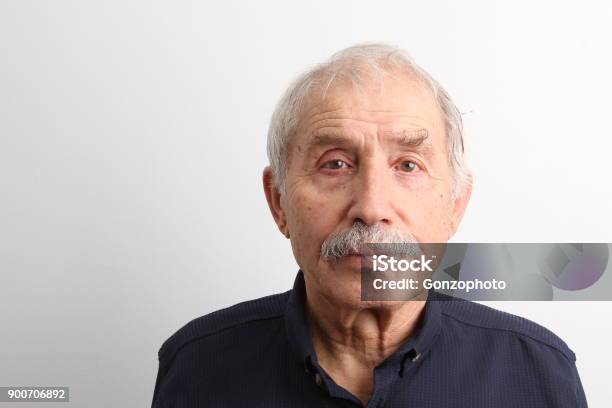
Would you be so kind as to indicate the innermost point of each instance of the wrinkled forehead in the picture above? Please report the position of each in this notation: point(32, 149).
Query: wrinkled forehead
point(388, 97)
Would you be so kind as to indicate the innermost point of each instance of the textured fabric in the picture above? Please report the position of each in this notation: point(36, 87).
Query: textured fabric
point(259, 354)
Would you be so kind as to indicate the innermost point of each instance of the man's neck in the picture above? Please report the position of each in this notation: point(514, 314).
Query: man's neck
point(351, 342)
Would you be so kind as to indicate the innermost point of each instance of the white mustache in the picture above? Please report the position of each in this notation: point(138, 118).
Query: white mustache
point(353, 240)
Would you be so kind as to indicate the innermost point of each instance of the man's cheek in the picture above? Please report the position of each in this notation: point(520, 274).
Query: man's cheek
point(306, 227)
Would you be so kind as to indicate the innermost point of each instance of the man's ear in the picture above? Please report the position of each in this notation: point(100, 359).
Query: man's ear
point(460, 204)
point(273, 197)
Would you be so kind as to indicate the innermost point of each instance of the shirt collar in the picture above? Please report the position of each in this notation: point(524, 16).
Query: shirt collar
point(415, 348)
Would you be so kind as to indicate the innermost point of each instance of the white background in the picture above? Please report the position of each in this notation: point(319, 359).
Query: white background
point(132, 140)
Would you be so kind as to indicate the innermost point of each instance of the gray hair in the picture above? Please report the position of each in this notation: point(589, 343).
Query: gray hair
point(353, 64)
point(361, 239)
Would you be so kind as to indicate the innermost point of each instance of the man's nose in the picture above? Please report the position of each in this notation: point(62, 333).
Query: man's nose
point(372, 196)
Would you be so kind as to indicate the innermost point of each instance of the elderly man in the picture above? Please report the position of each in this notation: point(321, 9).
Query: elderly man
point(365, 148)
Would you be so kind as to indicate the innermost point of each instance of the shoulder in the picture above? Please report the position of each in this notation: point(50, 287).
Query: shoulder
point(224, 322)
point(487, 319)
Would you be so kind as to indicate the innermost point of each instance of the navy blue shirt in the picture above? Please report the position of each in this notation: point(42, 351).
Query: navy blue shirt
point(259, 354)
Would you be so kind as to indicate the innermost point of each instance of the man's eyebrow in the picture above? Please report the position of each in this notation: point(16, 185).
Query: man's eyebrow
point(405, 138)
point(409, 138)
point(325, 139)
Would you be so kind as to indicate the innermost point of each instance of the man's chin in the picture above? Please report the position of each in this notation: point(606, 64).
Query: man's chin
point(346, 288)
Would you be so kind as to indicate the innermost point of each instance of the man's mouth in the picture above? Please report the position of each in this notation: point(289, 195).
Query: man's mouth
point(364, 250)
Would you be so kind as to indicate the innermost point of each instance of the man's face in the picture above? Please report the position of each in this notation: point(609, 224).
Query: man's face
point(378, 157)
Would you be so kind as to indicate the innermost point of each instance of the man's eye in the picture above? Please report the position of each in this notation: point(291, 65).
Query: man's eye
point(335, 165)
point(409, 166)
